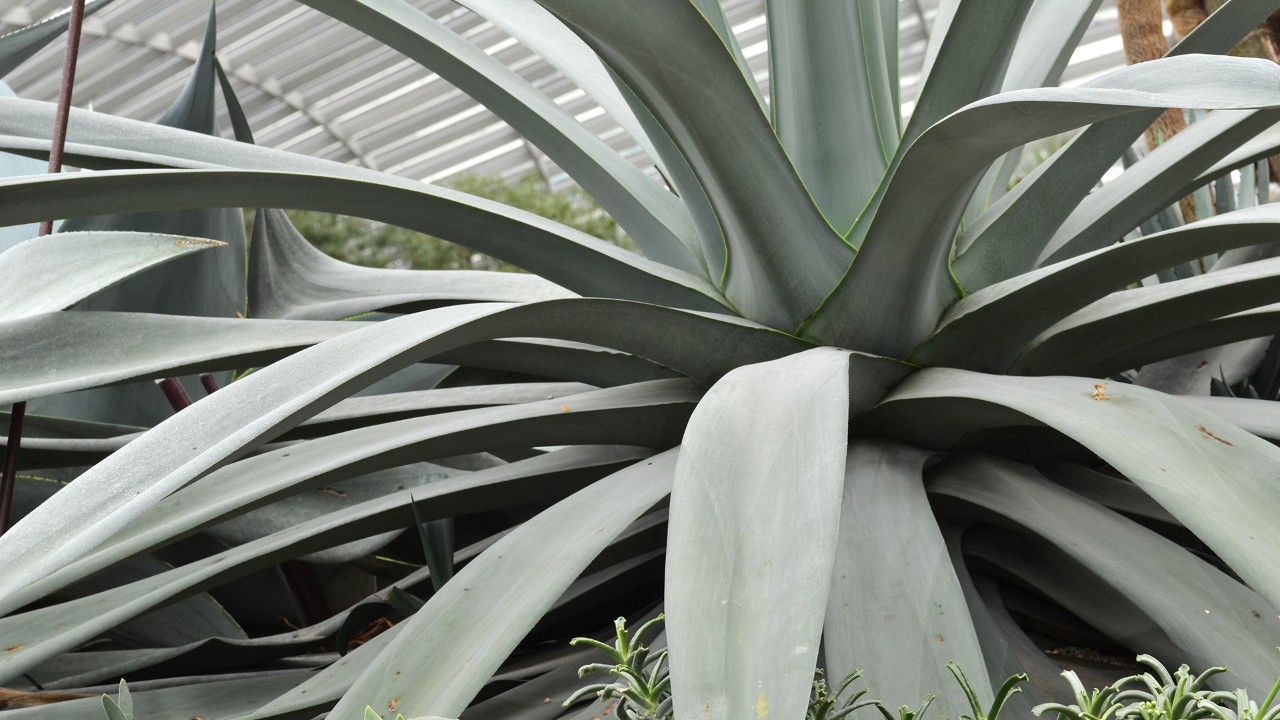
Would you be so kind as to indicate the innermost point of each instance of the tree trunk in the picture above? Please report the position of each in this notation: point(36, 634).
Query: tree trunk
point(1142, 31)
point(1186, 15)
point(1263, 42)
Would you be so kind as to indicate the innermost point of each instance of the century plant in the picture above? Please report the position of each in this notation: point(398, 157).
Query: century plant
point(852, 392)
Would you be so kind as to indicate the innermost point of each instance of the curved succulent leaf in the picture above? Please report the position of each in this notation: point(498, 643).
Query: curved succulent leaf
point(783, 256)
point(585, 265)
point(1154, 182)
point(654, 413)
point(1128, 317)
point(833, 83)
point(55, 272)
point(896, 609)
point(929, 189)
point(1210, 616)
point(290, 279)
point(746, 589)
point(650, 214)
point(987, 329)
point(277, 398)
point(447, 651)
point(1050, 34)
point(1205, 462)
point(1009, 237)
point(20, 45)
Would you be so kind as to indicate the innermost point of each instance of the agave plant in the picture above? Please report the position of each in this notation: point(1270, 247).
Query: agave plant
point(851, 393)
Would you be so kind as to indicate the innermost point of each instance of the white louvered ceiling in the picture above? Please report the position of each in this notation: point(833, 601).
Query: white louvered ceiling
point(312, 85)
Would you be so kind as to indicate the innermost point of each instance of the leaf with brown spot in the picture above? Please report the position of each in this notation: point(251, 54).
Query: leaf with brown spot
point(1211, 436)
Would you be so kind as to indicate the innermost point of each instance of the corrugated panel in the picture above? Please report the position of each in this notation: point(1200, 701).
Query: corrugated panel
point(312, 85)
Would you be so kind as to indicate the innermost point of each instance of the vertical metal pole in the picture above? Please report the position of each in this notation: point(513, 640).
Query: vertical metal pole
point(46, 227)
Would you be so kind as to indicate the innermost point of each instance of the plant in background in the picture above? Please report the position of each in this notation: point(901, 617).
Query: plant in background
point(842, 395)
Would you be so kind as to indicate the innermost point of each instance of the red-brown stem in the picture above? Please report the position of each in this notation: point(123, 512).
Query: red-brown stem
point(175, 393)
point(209, 383)
point(59, 142)
point(11, 464)
point(64, 96)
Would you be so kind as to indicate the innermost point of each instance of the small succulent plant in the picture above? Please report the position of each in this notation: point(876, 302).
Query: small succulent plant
point(643, 685)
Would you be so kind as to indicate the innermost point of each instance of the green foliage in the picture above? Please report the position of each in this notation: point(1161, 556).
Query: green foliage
point(828, 704)
point(643, 685)
point(1159, 695)
point(373, 244)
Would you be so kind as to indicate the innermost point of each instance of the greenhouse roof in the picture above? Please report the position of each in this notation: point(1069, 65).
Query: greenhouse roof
point(312, 85)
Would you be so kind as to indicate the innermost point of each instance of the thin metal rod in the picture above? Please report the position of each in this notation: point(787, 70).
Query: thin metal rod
point(19, 411)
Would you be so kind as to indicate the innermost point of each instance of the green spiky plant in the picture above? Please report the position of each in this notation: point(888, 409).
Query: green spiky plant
point(849, 392)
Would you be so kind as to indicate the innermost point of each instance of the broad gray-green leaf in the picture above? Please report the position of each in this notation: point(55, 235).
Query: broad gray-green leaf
point(11, 166)
point(451, 647)
point(82, 350)
point(200, 284)
point(783, 256)
point(896, 609)
point(192, 619)
point(560, 360)
point(1050, 34)
point(63, 352)
point(710, 248)
point(575, 467)
point(1193, 339)
point(575, 260)
point(968, 54)
point(1192, 374)
point(1152, 183)
point(18, 46)
point(986, 330)
point(268, 402)
point(650, 215)
point(648, 414)
point(55, 272)
point(37, 636)
point(1005, 646)
point(1008, 238)
point(970, 62)
point(1260, 417)
point(1128, 317)
point(713, 11)
point(365, 410)
point(289, 278)
point(205, 697)
point(542, 33)
point(907, 248)
point(749, 558)
point(1185, 457)
point(834, 97)
point(1212, 618)
point(323, 691)
point(1265, 144)
point(303, 505)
